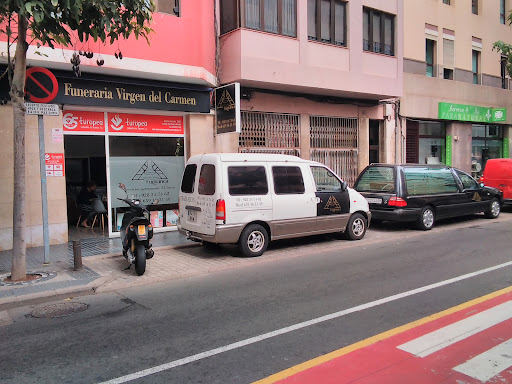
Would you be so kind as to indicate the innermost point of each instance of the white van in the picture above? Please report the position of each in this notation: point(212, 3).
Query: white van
point(251, 199)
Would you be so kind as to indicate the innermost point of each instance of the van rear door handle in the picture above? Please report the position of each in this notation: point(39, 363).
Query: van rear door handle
point(192, 208)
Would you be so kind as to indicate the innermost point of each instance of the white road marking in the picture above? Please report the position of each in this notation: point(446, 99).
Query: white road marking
point(451, 334)
point(488, 364)
point(291, 328)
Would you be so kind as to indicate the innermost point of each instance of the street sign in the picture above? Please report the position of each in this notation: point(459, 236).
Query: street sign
point(42, 109)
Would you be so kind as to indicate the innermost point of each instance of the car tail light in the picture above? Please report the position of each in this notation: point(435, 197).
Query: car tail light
point(397, 202)
point(220, 210)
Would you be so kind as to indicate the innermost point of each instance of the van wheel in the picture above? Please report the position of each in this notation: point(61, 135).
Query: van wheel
point(253, 240)
point(494, 209)
point(356, 227)
point(427, 219)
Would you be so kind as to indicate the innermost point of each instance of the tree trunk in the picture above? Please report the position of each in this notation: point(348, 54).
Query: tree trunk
point(19, 244)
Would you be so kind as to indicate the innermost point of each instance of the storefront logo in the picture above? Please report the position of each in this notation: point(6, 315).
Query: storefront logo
point(69, 121)
point(226, 101)
point(150, 172)
point(498, 115)
point(116, 123)
point(333, 205)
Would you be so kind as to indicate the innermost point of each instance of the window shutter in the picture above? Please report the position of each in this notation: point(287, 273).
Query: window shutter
point(448, 53)
point(412, 142)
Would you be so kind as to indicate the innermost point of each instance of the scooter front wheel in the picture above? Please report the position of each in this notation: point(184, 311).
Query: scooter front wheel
point(140, 259)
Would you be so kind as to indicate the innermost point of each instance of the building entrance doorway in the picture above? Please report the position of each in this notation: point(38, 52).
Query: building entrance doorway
point(85, 161)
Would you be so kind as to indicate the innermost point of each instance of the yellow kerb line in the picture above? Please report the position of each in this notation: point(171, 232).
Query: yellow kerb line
point(372, 340)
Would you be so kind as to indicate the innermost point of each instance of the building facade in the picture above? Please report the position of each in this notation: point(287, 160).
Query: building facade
point(456, 90)
point(132, 120)
point(319, 79)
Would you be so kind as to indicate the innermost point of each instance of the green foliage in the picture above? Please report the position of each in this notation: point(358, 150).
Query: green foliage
point(506, 51)
point(52, 22)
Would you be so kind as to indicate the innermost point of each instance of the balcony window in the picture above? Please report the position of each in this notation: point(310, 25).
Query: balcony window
point(327, 21)
point(502, 12)
point(171, 7)
point(446, 2)
point(378, 32)
point(430, 56)
point(503, 65)
point(273, 16)
point(475, 65)
point(474, 7)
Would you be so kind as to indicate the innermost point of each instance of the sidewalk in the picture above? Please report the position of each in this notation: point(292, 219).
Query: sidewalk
point(175, 257)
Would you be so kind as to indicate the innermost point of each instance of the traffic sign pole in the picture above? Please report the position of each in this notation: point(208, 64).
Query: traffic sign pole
point(44, 194)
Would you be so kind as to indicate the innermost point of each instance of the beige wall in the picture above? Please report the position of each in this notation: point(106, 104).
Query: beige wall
point(56, 186)
point(459, 18)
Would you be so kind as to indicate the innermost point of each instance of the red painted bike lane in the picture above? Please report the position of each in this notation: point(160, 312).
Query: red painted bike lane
point(470, 343)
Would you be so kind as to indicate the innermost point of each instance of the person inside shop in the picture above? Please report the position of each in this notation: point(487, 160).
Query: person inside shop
point(84, 202)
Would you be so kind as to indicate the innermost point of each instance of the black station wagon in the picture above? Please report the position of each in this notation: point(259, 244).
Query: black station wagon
point(424, 193)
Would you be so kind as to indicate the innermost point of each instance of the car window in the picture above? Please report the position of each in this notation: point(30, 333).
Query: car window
point(189, 176)
point(207, 180)
point(325, 180)
point(288, 180)
point(428, 181)
point(245, 180)
point(467, 181)
point(377, 179)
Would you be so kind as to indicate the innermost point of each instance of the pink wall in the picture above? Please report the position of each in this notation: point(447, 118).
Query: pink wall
point(260, 59)
point(185, 40)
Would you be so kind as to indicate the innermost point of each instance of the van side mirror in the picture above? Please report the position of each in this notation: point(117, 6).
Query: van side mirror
point(344, 186)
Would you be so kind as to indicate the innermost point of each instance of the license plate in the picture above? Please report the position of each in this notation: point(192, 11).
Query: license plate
point(142, 229)
point(192, 216)
point(373, 200)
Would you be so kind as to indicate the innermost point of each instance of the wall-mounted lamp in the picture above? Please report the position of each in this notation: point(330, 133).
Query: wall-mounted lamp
point(455, 138)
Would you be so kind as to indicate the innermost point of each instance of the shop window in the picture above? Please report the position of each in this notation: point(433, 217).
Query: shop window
point(274, 16)
point(474, 7)
point(430, 57)
point(151, 169)
point(476, 66)
point(171, 7)
point(426, 142)
point(327, 21)
point(378, 32)
point(487, 143)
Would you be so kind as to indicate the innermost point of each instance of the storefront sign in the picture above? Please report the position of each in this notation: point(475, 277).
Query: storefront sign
point(227, 108)
point(462, 112)
point(449, 150)
point(83, 121)
point(506, 143)
point(54, 163)
point(139, 124)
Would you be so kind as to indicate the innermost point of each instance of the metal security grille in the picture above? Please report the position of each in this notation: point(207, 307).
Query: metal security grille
point(334, 142)
point(269, 133)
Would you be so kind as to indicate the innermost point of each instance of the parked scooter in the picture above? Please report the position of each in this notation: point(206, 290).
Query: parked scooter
point(136, 231)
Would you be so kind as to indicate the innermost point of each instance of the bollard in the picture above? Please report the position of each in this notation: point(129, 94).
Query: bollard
point(77, 255)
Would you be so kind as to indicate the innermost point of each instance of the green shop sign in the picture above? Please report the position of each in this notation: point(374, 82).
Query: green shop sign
point(462, 112)
point(505, 147)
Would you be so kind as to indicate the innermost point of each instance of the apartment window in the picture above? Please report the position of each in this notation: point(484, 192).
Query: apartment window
point(430, 56)
point(475, 65)
point(446, 2)
point(327, 21)
point(171, 7)
point(502, 12)
point(274, 16)
point(474, 7)
point(448, 58)
point(378, 31)
point(503, 64)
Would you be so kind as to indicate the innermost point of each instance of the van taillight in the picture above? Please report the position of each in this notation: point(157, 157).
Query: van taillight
point(397, 202)
point(220, 210)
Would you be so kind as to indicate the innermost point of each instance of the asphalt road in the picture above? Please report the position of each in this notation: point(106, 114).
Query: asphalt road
point(171, 325)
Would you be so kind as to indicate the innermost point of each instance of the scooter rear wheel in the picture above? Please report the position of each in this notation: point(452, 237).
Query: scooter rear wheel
point(140, 259)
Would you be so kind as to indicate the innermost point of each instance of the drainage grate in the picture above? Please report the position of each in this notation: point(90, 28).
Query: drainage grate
point(58, 310)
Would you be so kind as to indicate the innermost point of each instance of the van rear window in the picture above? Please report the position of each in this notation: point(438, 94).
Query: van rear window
point(247, 181)
point(189, 177)
point(207, 180)
point(377, 179)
